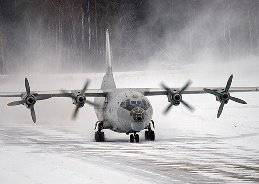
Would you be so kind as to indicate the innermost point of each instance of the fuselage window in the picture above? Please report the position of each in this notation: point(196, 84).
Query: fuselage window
point(133, 102)
point(139, 102)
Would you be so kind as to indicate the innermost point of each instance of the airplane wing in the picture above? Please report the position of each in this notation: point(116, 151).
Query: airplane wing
point(57, 93)
point(222, 94)
point(174, 95)
point(29, 98)
point(193, 90)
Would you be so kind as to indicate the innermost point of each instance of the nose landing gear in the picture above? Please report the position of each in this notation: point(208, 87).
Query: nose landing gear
point(135, 137)
point(99, 134)
point(149, 133)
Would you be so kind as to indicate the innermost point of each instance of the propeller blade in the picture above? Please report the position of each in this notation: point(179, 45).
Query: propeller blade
point(85, 87)
point(16, 103)
point(90, 103)
point(166, 88)
point(220, 109)
point(168, 108)
point(211, 92)
point(27, 87)
point(229, 83)
point(237, 100)
point(42, 97)
point(75, 112)
point(189, 107)
point(185, 86)
point(33, 115)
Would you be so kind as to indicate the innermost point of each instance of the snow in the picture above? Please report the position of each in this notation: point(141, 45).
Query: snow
point(190, 147)
point(21, 165)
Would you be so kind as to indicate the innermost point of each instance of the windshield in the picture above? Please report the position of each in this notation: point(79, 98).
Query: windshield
point(130, 104)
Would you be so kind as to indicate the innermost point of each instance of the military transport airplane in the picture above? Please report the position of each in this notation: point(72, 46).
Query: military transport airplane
point(125, 110)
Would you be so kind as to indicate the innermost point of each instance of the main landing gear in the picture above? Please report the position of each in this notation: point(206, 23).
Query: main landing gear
point(149, 133)
point(135, 137)
point(99, 134)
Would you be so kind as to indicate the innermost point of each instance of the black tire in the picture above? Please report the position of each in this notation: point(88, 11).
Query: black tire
point(146, 135)
point(131, 138)
point(97, 137)
point(102, 137)
point(152, 135)
point(137, 138)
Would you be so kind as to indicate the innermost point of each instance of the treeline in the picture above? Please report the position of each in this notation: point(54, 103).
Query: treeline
point(58, 35)
point(69, 35)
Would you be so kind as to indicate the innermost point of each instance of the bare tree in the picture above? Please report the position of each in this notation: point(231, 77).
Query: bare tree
point(2, 61)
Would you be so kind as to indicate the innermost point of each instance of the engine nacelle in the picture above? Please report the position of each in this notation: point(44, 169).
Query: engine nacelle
point(175, 98)
point(224, 97)
point(29, 100)
point(79, 100)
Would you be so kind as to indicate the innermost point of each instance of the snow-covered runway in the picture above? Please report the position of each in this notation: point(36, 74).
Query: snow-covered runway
point(40, 154)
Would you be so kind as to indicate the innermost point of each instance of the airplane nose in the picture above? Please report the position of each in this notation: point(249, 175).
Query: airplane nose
point(138, 114)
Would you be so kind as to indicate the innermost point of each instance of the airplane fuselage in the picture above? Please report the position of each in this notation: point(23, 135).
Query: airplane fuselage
point(124, 111)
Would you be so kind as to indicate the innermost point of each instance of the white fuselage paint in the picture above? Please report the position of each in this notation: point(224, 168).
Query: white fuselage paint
point(117, 118)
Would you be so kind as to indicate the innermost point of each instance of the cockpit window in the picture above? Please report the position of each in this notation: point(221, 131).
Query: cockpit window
point(133, 103)
point(130, 104)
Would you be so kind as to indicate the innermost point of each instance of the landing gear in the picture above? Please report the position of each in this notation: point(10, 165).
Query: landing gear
point(149, 133)
point(131, 138)
point(99, 135)
point(135, 137)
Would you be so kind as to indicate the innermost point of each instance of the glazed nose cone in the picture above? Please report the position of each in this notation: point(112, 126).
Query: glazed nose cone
point(138, 114)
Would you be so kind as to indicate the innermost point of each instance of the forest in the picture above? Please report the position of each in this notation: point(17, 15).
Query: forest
point(68, 36)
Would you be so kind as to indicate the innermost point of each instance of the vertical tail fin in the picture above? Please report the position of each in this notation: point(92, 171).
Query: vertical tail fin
point(108, 80)
point(108, 53)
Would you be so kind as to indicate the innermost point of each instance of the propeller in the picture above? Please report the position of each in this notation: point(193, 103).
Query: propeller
point(79, 99)
point(224, 96)
point(29, 100)
point(175, 97)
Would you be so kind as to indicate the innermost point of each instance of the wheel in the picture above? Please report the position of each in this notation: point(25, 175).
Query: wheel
point(131, 138)
point(137, 138)
point(146, 135)
point(152, 135)
point(97, 137)
point(102, 137)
